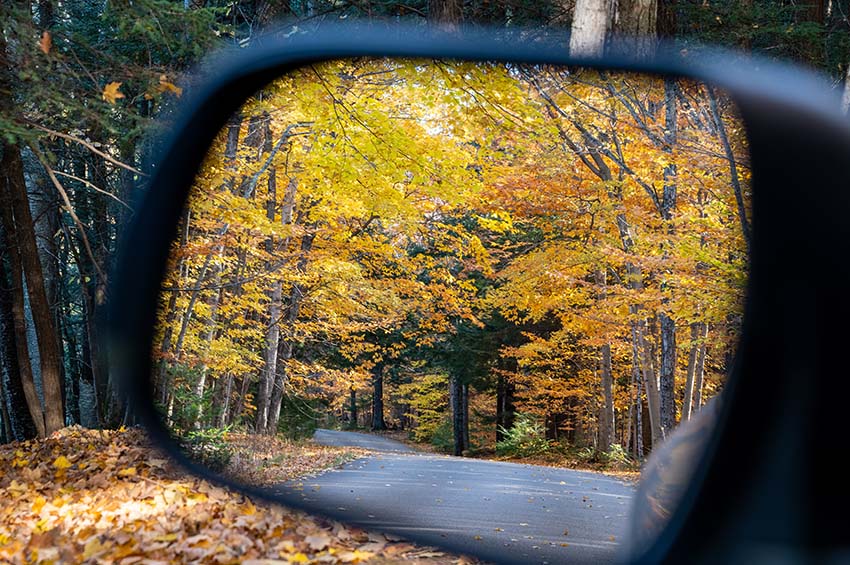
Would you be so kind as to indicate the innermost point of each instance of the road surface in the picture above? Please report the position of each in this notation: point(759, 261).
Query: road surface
point(499, 512)
point(366, 441)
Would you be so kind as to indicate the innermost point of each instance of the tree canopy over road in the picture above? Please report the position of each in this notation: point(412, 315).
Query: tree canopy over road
point(442, 246)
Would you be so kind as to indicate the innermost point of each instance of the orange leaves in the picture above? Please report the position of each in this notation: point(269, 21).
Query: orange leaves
point(46, 42)
point(167, 86)
point(98, 511)
point(111, 93)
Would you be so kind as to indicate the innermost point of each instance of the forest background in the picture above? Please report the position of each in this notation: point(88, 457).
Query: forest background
point(86, 85)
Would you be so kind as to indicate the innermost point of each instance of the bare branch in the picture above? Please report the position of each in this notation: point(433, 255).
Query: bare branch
point(88, 146)
point(287, 135)
point(95, 188)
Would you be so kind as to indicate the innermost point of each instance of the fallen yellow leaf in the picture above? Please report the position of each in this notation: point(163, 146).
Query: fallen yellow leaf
point(62, 462)
point(94, 547)
point(38, 504)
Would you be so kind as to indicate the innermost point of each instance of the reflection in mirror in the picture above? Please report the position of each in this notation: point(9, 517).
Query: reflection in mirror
point(523, 263)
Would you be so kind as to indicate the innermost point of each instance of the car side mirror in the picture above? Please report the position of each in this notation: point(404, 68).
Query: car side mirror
point(393, 177)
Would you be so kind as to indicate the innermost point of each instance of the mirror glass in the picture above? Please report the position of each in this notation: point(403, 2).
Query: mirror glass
point(461, 302)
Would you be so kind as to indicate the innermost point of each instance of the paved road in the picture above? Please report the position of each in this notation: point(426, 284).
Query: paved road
point(500, 512)
point(366, 441)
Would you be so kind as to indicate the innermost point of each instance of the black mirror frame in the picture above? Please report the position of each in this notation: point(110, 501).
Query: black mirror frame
point(767, 480)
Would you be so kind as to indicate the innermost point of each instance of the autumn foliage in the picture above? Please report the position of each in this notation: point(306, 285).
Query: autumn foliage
point(435, 236)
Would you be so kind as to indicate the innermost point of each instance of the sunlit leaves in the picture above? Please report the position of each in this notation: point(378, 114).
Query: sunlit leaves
point(391, 202)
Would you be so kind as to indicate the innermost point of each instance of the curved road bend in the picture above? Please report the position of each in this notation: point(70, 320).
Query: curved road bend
point(499, 512)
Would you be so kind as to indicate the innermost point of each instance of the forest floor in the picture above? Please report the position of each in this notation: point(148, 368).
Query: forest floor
point(555, 458)
point(109, 496)
point(267, 460)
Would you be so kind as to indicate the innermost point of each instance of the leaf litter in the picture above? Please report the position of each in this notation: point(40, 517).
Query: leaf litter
point(96, 496)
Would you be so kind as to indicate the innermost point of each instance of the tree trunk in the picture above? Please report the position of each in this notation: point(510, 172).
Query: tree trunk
point(649, 380)
point(6, 434)
point(465, 415)
point(733, 168)
point(638, 445)
point(456, 401)
point(271, 353)
point(292, 311)
point(667, 375)
point(239, 406)
point(636, 28)
point(699, 371)
point(225, 402)
point(589, 28)
point(698, 334)
point(352, 407)
point(446, 14)
point(666, 22)
point(211, 332)
point(378, 423)
point(18, 225)
point(505, 410)
point(267, 378)
point(94, 214)
point(606, 415)
point(667, 381)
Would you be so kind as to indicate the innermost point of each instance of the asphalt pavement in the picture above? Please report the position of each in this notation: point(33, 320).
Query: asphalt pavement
point(366, 441)
point(499, 512)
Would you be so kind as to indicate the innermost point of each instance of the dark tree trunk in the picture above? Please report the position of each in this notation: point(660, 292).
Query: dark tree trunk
point(667, 381)
point(14, 396)
point(505, 410)
point(226, 402)
point(20, 233)
point(606, 413)
point(378, 423)
point(606, 417)
point(465, 415)
point(445, 13)
point(636, 26)
point(352, 407)
point(456, 400)
point(667, 374)
point(666, 23)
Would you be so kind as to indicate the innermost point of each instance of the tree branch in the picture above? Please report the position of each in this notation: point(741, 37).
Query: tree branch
point(87, 145)
point(70, 209)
